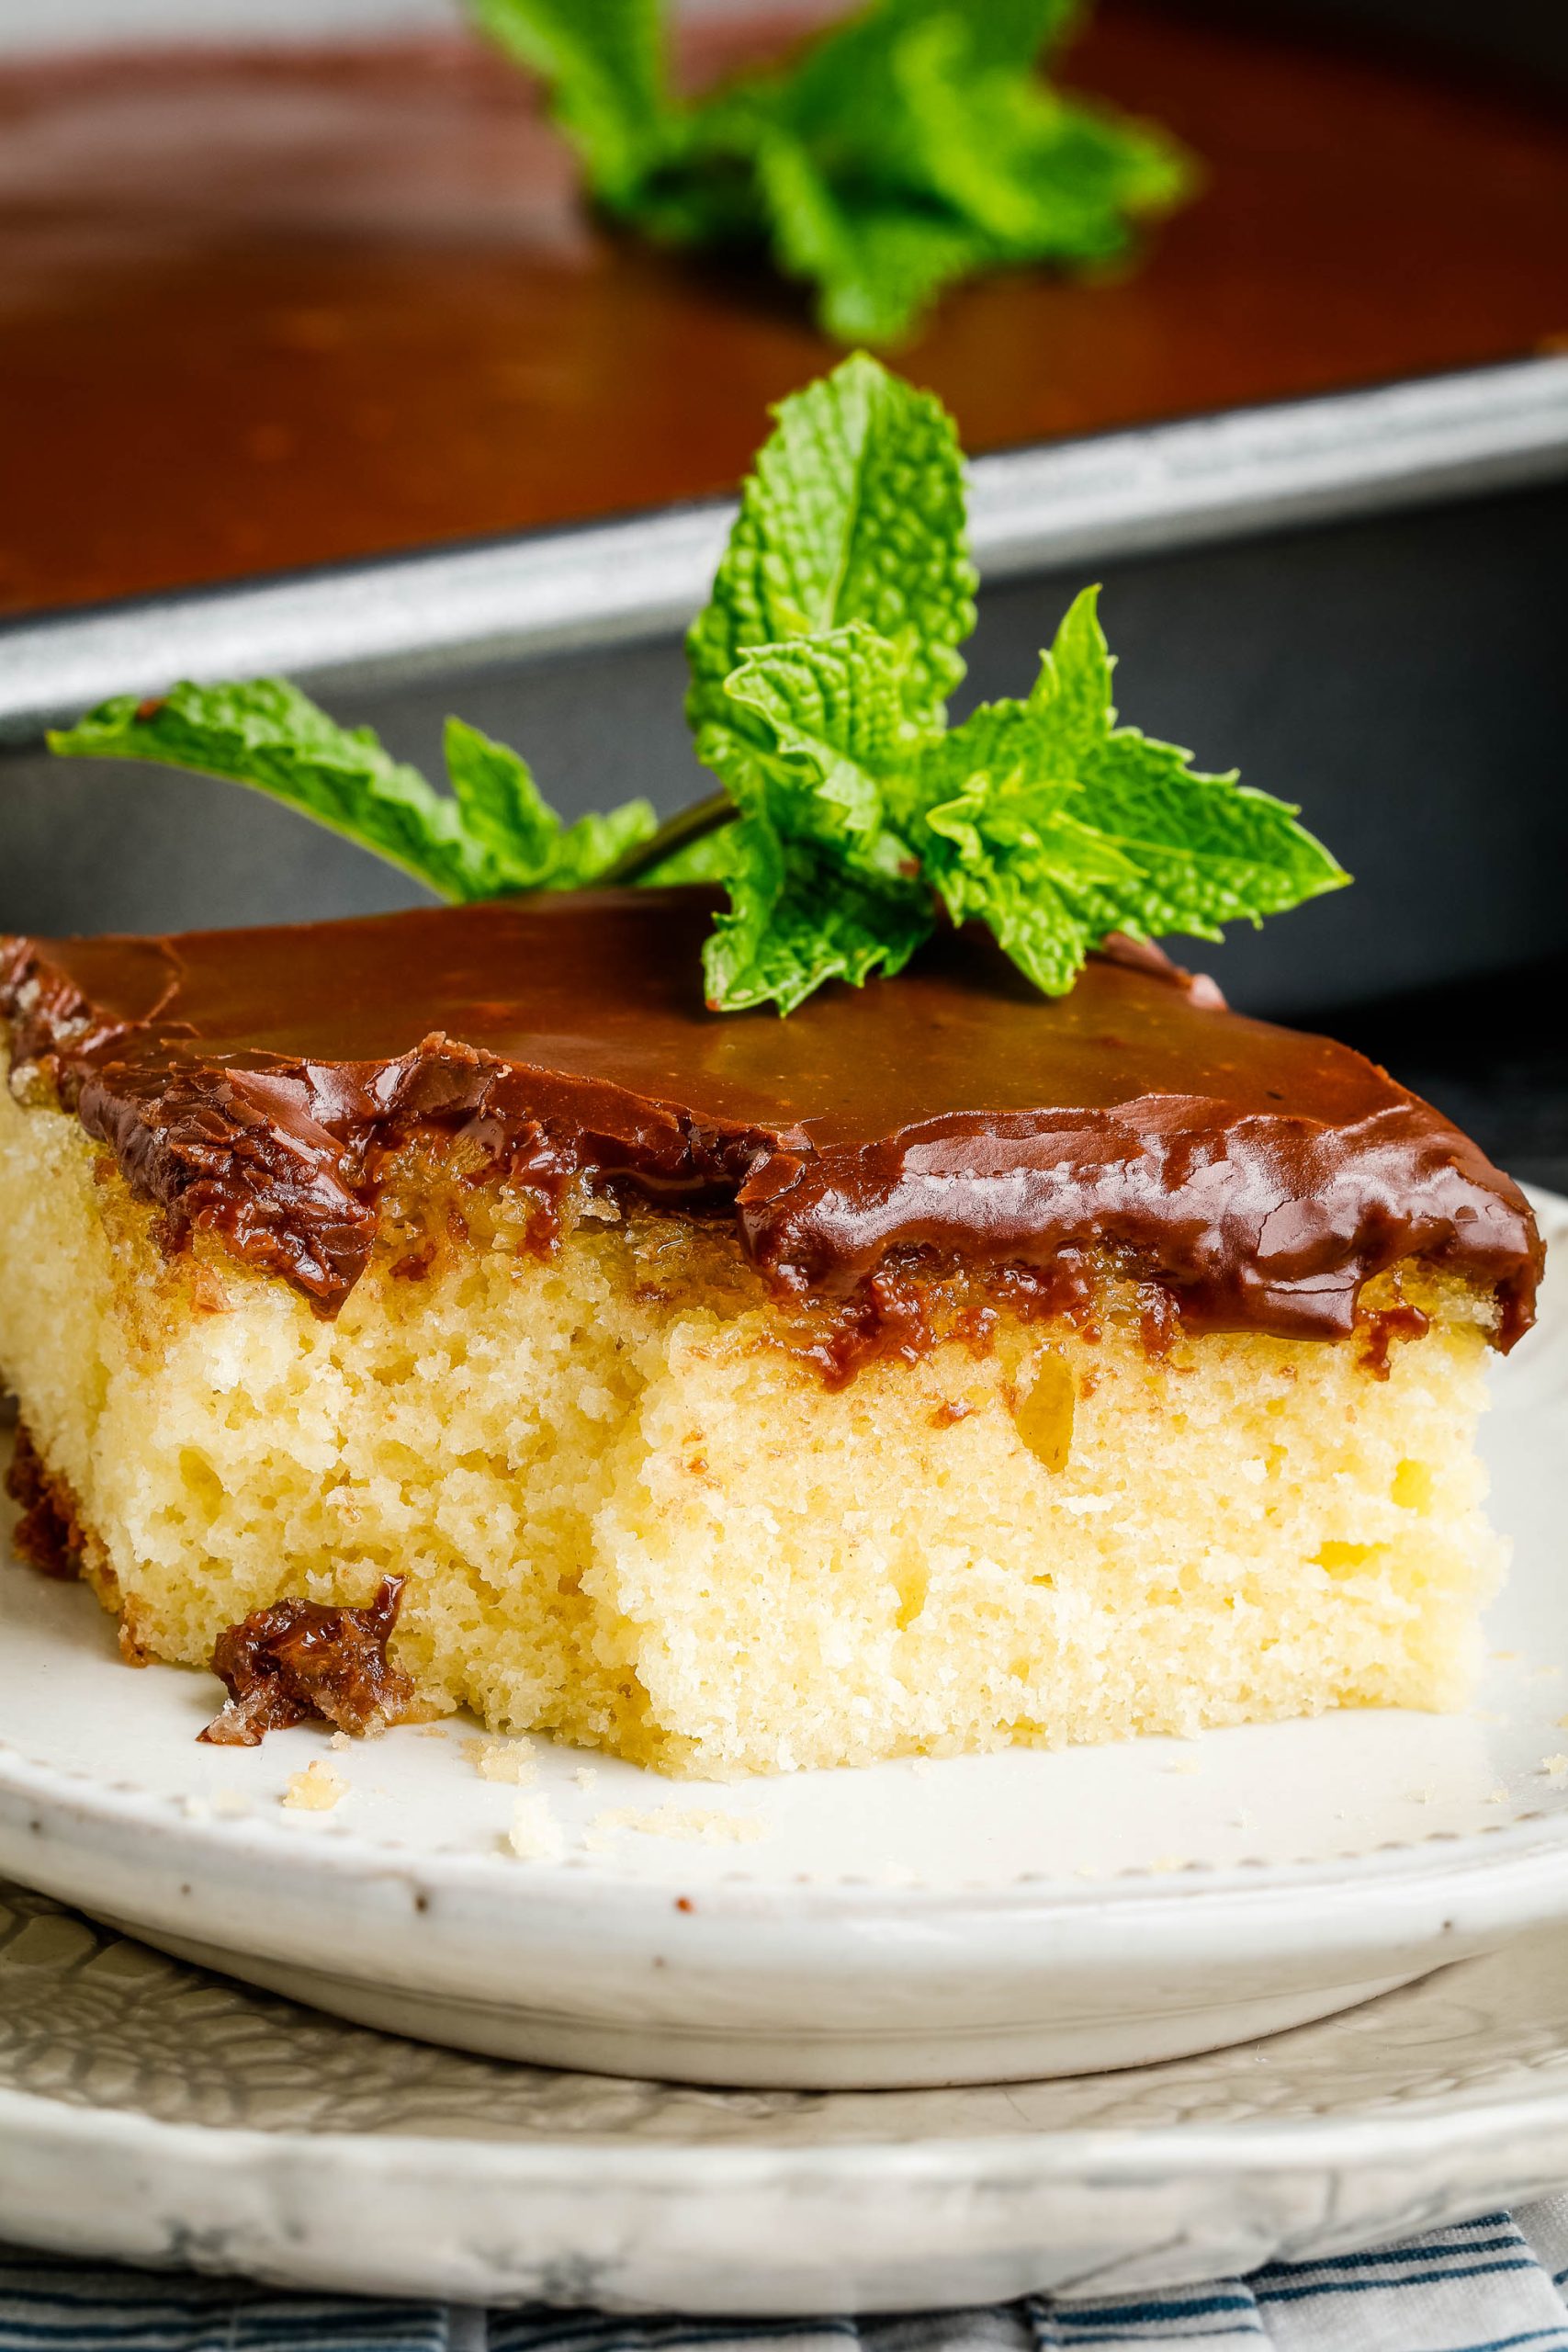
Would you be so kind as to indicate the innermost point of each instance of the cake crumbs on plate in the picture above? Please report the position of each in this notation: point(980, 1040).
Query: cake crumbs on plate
point(586, 1777)
point(1498, 1796)
point(1556, 1770)
point(1187, 1765)
point(535, 1835)
point(339, 1739)
point(688, 1822)
point(512, 1760)
point(230, 1805)
point(315, 1790)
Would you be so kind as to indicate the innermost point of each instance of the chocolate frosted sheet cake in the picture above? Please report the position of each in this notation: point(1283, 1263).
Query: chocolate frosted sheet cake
point(943, 1367)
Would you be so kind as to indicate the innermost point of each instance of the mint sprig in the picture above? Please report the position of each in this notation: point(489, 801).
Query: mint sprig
point(851, 814)
point(903, 149)
point(860, 809)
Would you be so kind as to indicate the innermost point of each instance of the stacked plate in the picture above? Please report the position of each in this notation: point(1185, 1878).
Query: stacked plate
point(875, 1935)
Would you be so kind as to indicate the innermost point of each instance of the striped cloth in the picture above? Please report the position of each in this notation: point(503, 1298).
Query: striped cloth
point(1489, 2286)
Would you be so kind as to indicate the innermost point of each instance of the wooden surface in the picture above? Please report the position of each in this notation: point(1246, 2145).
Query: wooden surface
point(259, 311)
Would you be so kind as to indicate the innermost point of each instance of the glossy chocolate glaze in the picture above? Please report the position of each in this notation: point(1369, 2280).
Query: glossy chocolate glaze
point(269, 308)
point(247, 1081)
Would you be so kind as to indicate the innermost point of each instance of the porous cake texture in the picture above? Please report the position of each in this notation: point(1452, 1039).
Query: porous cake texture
point(631, 1511)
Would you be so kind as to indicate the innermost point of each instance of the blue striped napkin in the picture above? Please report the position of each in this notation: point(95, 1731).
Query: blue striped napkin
point(1488, 2285)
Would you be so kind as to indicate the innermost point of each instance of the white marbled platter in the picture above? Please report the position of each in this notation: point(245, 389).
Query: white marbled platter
point(979, 1919)
point(155, 2113)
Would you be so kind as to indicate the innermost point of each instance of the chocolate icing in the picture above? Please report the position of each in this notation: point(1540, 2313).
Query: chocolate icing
point(247, 1082)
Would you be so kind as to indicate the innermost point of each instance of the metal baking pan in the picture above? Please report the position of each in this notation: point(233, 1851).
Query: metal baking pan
point(1355, 598)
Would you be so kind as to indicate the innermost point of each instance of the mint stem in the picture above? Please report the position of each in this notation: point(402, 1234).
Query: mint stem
point(686, 826)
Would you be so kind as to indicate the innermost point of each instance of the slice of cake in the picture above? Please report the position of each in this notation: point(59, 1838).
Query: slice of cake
point(944, 1367)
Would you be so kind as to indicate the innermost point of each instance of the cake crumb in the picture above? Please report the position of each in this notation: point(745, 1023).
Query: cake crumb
point(512, 1760)
point(697, 1828)
point(586, 1777)
point(230, 1805)
point(1185, 1764)
point(315, 1790)
point(1505, 1657)
point(435, 1730)
point(197, 1808)
point(338, 1739)
point(535, 1835)
point(1556, 1770)
point(1498, 1796)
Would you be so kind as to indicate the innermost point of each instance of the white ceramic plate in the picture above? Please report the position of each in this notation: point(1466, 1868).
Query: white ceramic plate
point(973, 1920)
point(153, 2114)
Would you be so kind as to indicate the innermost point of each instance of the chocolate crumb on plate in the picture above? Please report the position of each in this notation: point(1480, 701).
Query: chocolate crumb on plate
point(301, 1661)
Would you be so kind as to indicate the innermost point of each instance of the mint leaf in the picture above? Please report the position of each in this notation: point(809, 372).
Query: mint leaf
point(798, 917)
point(1206, 848)
point(820, 886)
point(1033, 175)
point(1004, 32)
point(878, 269)
point(588, 849)
point(513, 832)
point(1055, 826)
point(836, 709)
point(854, 511)
point(517, 842)
point(1004, 843)
point(604, 62)
point(1007, 32)
point(496, 835)
point(267, 734)
point(1042, 881)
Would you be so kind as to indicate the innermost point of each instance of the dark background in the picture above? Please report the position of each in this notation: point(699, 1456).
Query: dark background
point(1527, 34)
